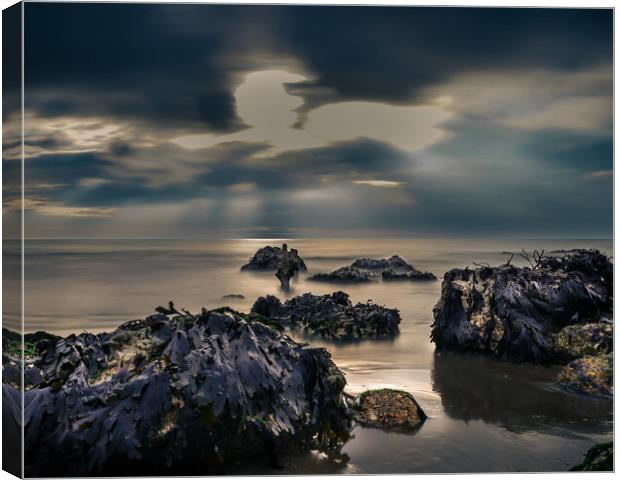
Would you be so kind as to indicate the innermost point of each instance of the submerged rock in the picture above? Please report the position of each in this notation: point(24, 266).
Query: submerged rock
point(233, 296)
point(392, 410)
point(345, 275)
point(413, 275)
point(270, 258)
point(514, 313)
point(600, 458)
point(590, 376)
point(330, 316)
point(182, 394)
point(394, 262)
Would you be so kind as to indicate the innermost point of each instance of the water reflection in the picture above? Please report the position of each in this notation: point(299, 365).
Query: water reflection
point(516, 397)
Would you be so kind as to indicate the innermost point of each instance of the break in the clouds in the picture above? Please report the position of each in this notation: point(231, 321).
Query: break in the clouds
point(185, 120)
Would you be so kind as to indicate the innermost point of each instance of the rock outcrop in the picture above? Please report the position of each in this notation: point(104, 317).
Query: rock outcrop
point(600, 458)
point(179, 393)
point(270, 258)
point(413, 275)
point(387, 409)
point(345, 275)
point(286, 270)
point(557, 310)
point(330, 316)
point(394, 263)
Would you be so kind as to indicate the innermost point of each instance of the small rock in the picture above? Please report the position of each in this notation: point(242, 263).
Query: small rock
point(589, 375)
point(393, 410)
point(414, 275)
point(234, 296)
point(345, 275)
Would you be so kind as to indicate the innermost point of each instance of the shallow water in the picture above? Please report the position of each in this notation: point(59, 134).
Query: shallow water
point(484, 415)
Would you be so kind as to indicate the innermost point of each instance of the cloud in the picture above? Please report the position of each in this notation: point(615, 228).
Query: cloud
point(54, 209)
point(378, 183)
point(263, 102)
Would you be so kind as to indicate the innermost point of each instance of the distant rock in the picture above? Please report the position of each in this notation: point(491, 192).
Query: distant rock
point(592, 376)
point(345, 275)
point(394, 262)
point(270, 258)
point(387, 409)
point(600, 458)
point(414, 275)
point(286, 270)
point(330, 316)
point(234, 296)
point(179, 394)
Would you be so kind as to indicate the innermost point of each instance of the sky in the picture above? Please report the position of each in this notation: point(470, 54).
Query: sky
point(290, 121)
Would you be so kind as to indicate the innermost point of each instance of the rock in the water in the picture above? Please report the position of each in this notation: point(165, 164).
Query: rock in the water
point(388, 409)
point(233, 296)
point(590, 376)
point(286, 270)
point(181, 394)
point(600, 458)
point(394, 262)
point(270, 258)
point(413, 275)
point(330, 316)
point(345, 275)
point(514, 313)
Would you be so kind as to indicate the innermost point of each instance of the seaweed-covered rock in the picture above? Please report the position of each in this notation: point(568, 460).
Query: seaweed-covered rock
point(181, 394)
point(393, 410)
point(286, 270)
point(513, 313)
point(345, 275)
point(330, 316)
point(270, 258)
point(394, 263)
point(600, 458)
point(583, 340)
point(413, 275)
point(590, 375)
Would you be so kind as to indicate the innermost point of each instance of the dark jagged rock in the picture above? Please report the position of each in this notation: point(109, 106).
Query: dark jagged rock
point(182, 394)
point(345, 275)
point(330, 316)
point(514, 313)
point(286, 270)
point(592, 376)
point(600, 458)
point(233, 296)
point(270, 258)
point(414, 275)
point(392, 410)
point(394, 263)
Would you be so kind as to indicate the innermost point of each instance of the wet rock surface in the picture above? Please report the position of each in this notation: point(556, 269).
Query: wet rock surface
point(413, 275)
point(600, 458)
point(589, 375)
point(179, 393)
point(330, 316)
point(391, 410)
point(270, 258)
point(345, 275)
point(557, 310)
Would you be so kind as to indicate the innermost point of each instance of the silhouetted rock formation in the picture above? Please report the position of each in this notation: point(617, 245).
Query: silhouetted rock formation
point(330, 316)
point(270, 258)
point(345, 275)
point(233, 296)
point(286, 270)
point(394, 262)
point(519, 314)
point(414, 275)
point(179, 393)
point(387, 409)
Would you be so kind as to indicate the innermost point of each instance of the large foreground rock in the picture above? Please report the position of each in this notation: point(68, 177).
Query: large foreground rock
point(518, 313)
point(600, 458)
point(330, 316)
point(345, 275)
point(181, 394)
point(270, 258)
point(392, 410)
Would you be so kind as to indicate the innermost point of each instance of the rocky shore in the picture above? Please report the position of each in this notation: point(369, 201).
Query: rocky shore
point(556, 310)
point(330, 316)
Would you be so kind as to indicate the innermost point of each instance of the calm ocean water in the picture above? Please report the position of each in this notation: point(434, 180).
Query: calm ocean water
point(484, 415)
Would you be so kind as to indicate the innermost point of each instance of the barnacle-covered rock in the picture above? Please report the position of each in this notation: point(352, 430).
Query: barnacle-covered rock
point(345, 275)
point(590, 375)
point(388, 409)
point(514, 313)
point(270, 258)
point(330, 316)
point(583, 340)
point(179, 393)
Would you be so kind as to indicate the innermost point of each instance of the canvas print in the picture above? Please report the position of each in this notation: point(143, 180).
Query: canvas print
point(306, 239)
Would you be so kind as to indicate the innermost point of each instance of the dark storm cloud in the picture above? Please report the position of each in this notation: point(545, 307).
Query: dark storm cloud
point(179, 64)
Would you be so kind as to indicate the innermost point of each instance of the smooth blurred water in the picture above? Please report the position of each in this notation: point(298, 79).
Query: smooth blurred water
point(484, 415)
